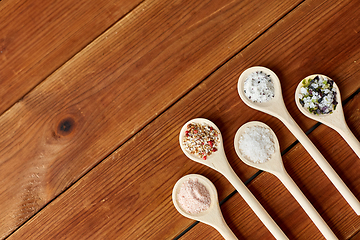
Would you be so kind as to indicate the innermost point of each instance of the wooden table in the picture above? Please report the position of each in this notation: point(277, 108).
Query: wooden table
point(94, 93)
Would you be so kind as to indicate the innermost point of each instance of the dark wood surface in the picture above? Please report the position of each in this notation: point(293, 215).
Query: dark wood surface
point(94, 96)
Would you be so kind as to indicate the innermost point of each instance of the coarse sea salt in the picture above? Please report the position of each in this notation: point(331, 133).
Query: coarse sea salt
point(257, 144)
point(194, 197)
point(258, 87)
point(318, 95)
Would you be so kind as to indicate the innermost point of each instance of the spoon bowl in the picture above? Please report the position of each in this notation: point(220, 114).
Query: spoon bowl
point(269, 107)
point(332, 119)
point(274, 165)
point(276, 107)
point(212, 161)
point(335, 120)
point(212, 216)
point(218, 161)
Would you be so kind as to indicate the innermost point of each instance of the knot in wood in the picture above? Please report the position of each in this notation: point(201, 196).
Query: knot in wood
point(66, 126)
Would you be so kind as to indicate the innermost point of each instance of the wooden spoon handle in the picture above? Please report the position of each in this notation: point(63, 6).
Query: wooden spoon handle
point(306, 205)
point(349, 137)
point(289, 122)
point(224, 230)
point(249, 198)
point(217, 221)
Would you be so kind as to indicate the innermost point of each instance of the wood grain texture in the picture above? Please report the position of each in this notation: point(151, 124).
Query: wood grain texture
point(111, 89)
point(37, 37)
point(128, 195)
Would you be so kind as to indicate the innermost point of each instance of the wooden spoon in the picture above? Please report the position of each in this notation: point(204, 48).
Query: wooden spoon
point(276, 107)
point(335, 120)
point(219, 162)
point(212, 216)
point(275, 166)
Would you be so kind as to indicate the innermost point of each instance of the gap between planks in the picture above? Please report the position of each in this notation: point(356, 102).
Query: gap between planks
point(355, 236)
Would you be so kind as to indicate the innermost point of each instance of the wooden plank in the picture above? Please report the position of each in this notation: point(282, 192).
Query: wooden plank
point(128, 195)
point(111, 89)
point(37, 37)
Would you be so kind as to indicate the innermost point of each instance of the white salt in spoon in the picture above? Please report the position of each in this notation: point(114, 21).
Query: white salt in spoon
point(275, 166)
point(218, 161)
point(335, 120)
point(276, 107)
point(212, 216)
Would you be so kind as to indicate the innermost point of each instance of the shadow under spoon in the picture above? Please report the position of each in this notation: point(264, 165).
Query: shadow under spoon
point(275, 166)
point(212, 216)
point(276, 107)
point(218, 161)
point(335, 120)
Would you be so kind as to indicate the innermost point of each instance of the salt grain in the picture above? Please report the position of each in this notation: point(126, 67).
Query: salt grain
point(258, 87)
point(194, 197)
point(257, 144)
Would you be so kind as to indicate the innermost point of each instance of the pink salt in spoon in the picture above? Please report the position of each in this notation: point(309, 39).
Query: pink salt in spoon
point(335, 120)
point(267, 142)
point(276, 107)
point(211, 216)
point(218, 161)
